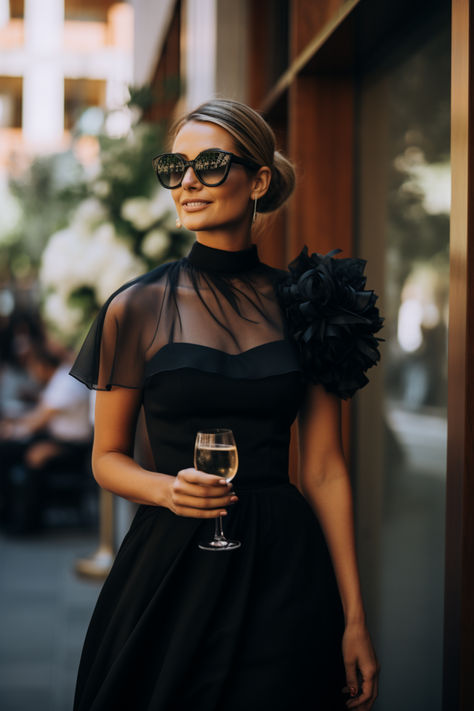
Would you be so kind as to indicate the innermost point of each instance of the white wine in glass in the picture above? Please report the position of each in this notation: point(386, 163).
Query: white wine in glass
point(215, 452)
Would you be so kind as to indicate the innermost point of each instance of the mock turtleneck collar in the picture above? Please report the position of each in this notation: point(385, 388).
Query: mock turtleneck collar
point(220, 260)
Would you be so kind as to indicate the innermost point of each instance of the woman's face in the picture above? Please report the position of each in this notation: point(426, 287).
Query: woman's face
point(224, 209)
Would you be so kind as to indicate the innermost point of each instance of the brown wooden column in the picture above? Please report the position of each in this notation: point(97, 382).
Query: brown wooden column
point(321, 144)
point(166, 79)
point(308, 18)
point(321, 136)
point(459, 589)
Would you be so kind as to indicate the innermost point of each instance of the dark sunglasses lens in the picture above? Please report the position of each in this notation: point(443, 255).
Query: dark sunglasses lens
point(169, 168)
point(212, 166)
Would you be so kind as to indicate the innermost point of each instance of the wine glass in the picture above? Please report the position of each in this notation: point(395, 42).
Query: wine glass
point(215, 452)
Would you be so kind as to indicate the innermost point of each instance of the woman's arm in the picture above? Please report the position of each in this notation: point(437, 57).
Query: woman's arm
point(325, 483)
point(190, 493)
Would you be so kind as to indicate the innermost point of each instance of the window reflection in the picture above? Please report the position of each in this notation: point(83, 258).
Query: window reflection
point(404, 203)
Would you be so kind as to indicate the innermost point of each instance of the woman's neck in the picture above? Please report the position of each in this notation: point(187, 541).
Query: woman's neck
point(226, 240)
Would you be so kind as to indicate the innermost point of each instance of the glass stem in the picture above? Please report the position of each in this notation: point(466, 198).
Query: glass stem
point(219, 531)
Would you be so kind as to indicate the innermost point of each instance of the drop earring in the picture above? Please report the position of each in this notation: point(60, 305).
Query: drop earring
point(178, 223)
point(254, 216)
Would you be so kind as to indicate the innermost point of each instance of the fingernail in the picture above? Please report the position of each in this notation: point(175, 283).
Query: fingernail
point(222, 481)
point(352, 691)
point(234, 498)
point(223, 513)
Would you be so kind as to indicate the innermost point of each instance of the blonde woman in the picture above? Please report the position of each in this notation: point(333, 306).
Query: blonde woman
point(201, 343)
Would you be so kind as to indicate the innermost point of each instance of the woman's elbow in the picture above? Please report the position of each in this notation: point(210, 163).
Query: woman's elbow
point(326, 470)
point(99, 463)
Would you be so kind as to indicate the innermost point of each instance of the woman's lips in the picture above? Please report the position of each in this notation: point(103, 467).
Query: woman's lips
point(194, 205)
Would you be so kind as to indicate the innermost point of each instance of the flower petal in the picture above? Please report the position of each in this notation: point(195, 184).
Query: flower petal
point(332, 318)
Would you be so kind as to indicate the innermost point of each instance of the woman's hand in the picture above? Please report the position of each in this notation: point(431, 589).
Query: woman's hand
point(198, 495)
point(362, 668)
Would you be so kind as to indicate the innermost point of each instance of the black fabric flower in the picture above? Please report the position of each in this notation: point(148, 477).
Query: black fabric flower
point(332, 318)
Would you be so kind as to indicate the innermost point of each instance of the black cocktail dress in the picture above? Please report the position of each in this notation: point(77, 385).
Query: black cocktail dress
point(177, 628)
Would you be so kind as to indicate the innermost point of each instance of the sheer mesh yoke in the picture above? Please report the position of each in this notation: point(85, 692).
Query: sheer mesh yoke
point(256, 627)
point(203, 311)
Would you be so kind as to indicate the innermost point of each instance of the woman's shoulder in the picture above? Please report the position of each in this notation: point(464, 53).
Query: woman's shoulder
point(332, 318)
point(114, 348)
point(146, 285)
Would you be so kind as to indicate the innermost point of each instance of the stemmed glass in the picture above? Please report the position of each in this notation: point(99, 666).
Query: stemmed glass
point(215, 452)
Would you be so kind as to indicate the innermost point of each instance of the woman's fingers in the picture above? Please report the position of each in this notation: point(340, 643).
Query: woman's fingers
point(351, 677)
point(205, 502)
point(368, 689)
point(200, 495)
point(361, 667)
point(188, 512)
point(195, 483)
point(194, 476)
point(195, 480)
point(202, 491)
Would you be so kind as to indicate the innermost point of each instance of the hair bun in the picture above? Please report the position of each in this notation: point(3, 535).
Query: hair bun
point(281, 184)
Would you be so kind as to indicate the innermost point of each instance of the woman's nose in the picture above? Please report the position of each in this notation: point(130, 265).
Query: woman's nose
point(189, 178)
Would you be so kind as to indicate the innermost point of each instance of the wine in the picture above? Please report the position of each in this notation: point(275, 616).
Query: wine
point(219, 459)
point(215, 452)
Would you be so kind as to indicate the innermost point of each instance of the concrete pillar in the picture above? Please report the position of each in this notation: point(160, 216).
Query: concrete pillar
point(43, 83)
point(231, 49)
point(214, 50)
point(4, 12)
point(199, 47)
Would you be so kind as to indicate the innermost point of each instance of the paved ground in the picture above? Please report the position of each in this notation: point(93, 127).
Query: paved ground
point(44, 612)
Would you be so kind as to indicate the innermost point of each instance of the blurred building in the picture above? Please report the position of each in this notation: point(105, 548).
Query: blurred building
point(57, 58)
point(370, 98)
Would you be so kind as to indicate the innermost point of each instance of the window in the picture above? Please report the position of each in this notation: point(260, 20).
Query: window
point(403, 174)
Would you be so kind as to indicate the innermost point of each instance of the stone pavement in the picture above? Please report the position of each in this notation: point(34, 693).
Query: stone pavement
point(44, 613)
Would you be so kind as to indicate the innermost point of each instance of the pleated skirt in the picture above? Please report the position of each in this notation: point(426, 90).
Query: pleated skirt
point(177, 628)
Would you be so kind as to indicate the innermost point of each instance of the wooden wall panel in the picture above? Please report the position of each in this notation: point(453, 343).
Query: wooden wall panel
point(321, 144)
point(270, 236)
point(307, 19)
point(166, 79)
point(272, 231)
point(257, 44)
point(459, 590)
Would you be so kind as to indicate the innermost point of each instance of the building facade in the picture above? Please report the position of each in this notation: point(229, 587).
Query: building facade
point(371, 99)
point(57, 58)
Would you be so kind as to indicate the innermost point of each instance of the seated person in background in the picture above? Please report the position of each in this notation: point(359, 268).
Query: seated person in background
point(18, 389)
point(57, 431)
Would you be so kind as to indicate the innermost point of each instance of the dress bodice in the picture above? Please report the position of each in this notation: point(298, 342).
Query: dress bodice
point(204, 338)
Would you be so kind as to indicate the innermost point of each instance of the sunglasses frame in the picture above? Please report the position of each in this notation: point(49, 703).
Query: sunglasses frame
point(191, 164)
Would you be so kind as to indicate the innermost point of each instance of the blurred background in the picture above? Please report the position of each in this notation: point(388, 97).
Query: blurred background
point(358, 92)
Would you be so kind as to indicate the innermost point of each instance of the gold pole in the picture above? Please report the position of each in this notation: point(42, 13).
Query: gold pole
point(98, 565)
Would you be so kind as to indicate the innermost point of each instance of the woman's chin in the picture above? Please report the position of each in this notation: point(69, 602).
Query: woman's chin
point(198, 225)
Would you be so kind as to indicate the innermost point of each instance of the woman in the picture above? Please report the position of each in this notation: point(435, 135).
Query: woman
point(201, 343)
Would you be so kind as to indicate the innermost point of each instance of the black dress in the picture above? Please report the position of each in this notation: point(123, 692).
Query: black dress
point(177, 628)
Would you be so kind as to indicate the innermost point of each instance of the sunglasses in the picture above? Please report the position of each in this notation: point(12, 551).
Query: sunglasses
point(211, 167)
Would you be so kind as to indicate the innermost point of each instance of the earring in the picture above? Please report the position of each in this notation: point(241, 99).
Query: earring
point(254, 216)
point(178, 223)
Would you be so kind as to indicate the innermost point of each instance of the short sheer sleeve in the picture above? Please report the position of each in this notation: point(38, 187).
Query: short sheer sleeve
point(115, 350)
point(332, 319)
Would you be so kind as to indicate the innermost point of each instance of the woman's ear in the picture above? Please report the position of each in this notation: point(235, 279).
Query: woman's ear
point(261, 182)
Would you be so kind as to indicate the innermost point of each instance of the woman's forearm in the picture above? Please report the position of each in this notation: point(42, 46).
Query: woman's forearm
point(330, 496)
point(121, 475)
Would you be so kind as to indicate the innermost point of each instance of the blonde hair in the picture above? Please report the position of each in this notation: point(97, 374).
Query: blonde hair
point(254, 139)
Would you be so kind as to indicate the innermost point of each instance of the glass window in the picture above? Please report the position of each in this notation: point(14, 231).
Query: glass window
point(10, 101)
point(17, 8)
point(403, 203)
point(87, 10)
point(79, 94)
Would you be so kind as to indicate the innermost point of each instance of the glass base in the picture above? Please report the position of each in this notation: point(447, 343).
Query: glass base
point(219, 544)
